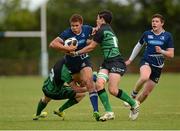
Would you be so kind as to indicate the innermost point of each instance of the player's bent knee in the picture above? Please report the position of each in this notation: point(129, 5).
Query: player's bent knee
point(80, 96)
point(88, 82)
point(99, 85)
point(113, 91)
point(144, 79)
point(46, 99)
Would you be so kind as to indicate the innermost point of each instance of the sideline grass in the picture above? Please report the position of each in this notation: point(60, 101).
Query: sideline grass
point(19, 97)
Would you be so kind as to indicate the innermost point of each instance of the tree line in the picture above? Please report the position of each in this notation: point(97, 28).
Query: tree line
point(130, 20)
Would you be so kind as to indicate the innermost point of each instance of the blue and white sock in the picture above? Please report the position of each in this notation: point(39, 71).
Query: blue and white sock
point(94, 100)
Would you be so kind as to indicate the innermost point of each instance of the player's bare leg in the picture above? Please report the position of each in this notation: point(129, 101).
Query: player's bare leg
point(145, 72)
point(114, 80)
point(148, 87)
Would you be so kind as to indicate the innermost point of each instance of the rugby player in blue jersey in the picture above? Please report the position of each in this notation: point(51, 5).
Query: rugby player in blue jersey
point(159, 44)
point(79, 65)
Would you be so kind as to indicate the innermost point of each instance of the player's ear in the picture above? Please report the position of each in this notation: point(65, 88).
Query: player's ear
point(162, 23)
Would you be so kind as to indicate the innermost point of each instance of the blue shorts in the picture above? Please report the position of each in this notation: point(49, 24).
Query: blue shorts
point(75, 65)
point(155, 72)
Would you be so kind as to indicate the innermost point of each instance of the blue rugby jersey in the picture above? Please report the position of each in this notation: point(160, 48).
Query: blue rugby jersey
point(82, 38)
point(164, 40)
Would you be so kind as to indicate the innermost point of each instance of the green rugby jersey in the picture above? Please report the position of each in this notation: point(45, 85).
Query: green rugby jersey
point(58, 76)
point(65, 74)
point(108, 41)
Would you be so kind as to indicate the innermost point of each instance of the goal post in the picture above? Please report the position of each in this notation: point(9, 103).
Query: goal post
point(41, 34)
point(44, 53)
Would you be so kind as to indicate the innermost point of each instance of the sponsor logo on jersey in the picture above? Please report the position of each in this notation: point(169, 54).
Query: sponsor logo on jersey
point(150, 37)
point(155, 42)
point(83, 35)
point(80, 42)
point(162, 38)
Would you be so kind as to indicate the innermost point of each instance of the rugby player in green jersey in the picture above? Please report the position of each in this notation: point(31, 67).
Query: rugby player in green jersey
point(113, 66)
point(54, 87)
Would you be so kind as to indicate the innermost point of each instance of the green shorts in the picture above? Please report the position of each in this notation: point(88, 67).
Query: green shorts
point(114, 65)
point(57, 93)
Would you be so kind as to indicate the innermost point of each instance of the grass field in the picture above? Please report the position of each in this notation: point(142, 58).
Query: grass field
point(19, 97)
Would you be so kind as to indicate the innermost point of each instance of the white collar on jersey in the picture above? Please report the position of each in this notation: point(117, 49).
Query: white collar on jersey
point(159, 32)
point(78, 33)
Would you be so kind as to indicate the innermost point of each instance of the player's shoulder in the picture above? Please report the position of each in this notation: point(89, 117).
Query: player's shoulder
point(147, 32)
point(167, 33)
point(87, 27)
point(66, 34)
point(68, 30)
point(104, 27)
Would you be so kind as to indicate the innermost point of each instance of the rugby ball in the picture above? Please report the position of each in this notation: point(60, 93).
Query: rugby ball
point(71, 41)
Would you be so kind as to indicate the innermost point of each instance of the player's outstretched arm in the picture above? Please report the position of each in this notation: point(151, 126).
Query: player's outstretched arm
point(134, 53)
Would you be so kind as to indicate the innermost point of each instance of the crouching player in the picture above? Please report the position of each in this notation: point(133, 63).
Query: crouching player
point(54, 87)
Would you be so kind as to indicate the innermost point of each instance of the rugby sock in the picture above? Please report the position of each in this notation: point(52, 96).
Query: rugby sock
point(134, 94)
point(94, 100)
point(41, 106)
point(123, 96)
point(68, 104)
point(105, 100)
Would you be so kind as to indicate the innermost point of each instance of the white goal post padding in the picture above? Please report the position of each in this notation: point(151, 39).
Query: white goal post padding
point(42, 34)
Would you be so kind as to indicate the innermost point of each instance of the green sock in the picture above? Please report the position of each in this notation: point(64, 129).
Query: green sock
point(124, 96)
point(68, 104)
point(104, 100)
point(41, 106)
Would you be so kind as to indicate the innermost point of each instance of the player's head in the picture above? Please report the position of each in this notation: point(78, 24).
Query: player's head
point(76, 22)
point(104, 17)
point(157, 22)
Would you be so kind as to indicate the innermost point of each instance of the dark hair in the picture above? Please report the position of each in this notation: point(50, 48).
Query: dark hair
point(106, 15)
point(76, 18)
point(159, 16)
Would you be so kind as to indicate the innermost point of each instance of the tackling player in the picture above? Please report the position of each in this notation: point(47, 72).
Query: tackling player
point(113, 67)
point(55, 89)
point(159, 44)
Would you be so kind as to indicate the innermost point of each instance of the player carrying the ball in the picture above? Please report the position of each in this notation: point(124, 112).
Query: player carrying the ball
point(79, 66)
